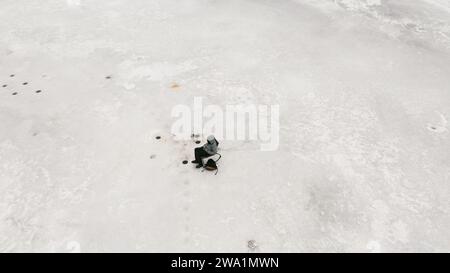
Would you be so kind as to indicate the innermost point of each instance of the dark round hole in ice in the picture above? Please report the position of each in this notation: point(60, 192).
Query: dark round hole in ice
point(5, 85)
point(15, 93)
point(198, 142)
point(185, 162)
point(158, 137)
point(108, 77)
point(12, 75)
point(25, 83)
point(38, 91)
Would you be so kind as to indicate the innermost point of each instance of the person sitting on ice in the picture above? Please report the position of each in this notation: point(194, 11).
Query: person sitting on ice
point(207, 150)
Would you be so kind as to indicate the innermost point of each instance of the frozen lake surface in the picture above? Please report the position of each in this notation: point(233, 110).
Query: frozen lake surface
point(364, 157)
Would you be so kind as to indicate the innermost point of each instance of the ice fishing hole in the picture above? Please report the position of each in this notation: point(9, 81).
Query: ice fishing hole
point(25, 83)
point(158, 137)
point(198, 142)
point(185, 162)
point(38, 91)
point(15, 93)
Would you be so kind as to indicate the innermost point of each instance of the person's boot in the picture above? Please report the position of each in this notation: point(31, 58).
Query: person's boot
point(199, 166)
point(195, 162)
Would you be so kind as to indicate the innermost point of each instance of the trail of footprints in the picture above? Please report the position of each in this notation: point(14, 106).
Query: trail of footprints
point(15, 91)
point(252, 245)
point(186, 208)
point(187, 231)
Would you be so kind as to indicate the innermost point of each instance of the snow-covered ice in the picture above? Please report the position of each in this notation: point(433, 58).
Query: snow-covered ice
point(363, 162)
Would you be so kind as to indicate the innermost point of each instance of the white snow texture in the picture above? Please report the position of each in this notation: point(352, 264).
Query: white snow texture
point(363, 163)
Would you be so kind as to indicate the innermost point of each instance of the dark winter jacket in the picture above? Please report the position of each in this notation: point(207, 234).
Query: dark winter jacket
point(211, 147)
